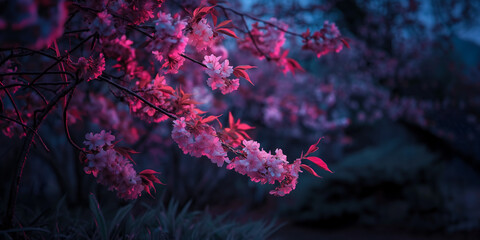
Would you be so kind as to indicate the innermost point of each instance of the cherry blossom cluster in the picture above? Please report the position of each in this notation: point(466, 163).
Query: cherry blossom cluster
point(122, 51)
point(201, 35)
point(218, 74)
point(136, 12)
point(267, 42)
point(267, 38)
point(112, 168)
point(90, 68)
point(105, 113)
point(264, 167)
point(169, 41)
point(157, 92)
point(199, 139)
point(129, 42)
point(326, 40)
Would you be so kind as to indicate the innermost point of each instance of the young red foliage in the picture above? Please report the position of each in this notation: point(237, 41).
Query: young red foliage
point(226, 31)
point(319, 162)
point(125, 151)
point(239, 71)
point(211, 118)
point(310, 170)
point(236, 130)
point(148, 178)
point(222, 23)
point(345, 42)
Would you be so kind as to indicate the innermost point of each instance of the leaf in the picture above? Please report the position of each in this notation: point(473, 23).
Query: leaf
point(148, 172)
point(231, 120)
point(223, 23)
point(243, 74)
point(243, 126)
point(211, 118)
point(245, 67)
point(319, 162)
point(214, 18)
point(344, 41)
point(284, 54)
point(227, 31)
point(313, 147)
point(125, 151)
point(306, 34)
point(310, 170)
point(99, 219)
point(295, 65)
point(121, 214)
point(148, 178)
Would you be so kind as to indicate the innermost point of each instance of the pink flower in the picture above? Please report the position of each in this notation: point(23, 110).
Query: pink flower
point(201, 35)
point(169, 41)
point(102, 24)
point(326, 40)
point(113, 169)
point(155, 91)
point(218, 74)
point(90, 68)
point(99, 140)
point(203, 141)
point(267, 38)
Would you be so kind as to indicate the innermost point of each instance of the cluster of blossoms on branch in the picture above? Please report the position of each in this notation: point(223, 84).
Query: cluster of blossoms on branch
point(219, 73)
point(112, 167)
point(169, 41)
point(326, 40)
point(157, 46)
point(265, 41)
point(197, 138)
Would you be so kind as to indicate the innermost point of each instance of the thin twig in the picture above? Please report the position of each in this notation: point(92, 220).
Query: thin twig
point(29, 128)
point(65, 122)
point(13, 103)
point(63, 57)
point(35, 73)
point(170, 115)
point(15, 185)
point(253, 39)
point(259, 20)
point(193, 60)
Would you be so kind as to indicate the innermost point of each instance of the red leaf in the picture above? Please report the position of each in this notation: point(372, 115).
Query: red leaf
point(295, 65)
point(227, 31)
point(344, 41)
point(241, 73)
point(245, 67)
point(243, 126)
point(224, 23)
point(313, 147)
point(148, 172)
point(211, 118)
point(310, 170)
point(214, 17)
point(319, 162)
point(306, 34)
point(230, 119)
point(148, 178)
point(124, 151)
